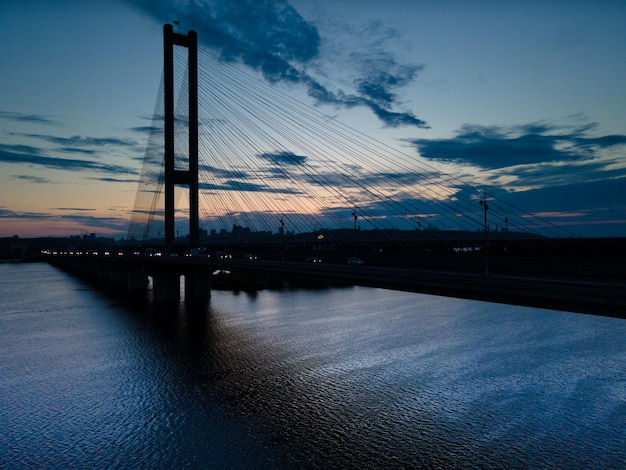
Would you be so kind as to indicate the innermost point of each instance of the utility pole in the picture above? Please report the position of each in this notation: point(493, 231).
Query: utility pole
point(483, 202)
point(282, 239)
point(355, 232)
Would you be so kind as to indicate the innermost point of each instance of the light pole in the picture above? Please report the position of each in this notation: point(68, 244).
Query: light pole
point(282, 239)
point(483, 202)
point(355, 232)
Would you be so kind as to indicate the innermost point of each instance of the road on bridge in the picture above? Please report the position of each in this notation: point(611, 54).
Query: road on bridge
point(577, 295)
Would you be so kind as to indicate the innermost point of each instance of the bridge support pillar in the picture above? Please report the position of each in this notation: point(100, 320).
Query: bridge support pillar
point(136, 280)
point(172, 175)
point(197, 287)
point(104, 273)
point(165, 286)
point(117, 277)
point(89, 269)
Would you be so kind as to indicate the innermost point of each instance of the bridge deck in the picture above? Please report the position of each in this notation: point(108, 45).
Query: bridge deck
point(591, 296)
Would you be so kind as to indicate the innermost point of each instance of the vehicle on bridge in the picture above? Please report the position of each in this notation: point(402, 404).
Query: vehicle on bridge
point(354, 261)
point(313, 259)
point(198, 253)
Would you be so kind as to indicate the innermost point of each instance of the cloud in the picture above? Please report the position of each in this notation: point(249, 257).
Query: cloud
point(146, 129)
point(31, 179)
point(82, 218)
point(284, 157)
point(69, 143)
point(497, 147)
point(77, 150)
point(73, 209)
point(395, 119)
point(29, 118)
point(579, 196)
point(243, 186)
point(7, 155)
point(87, 146)
point(268, 36)
point(493, 147)
point(216, 172)
point(274, 39)
point(382, 74)
point(18, 148)
point(595, 208)
point(116, 180)
point(558, 174)
point(6, 213)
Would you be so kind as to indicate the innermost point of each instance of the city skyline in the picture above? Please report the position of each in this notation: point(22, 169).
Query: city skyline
point(527, 98)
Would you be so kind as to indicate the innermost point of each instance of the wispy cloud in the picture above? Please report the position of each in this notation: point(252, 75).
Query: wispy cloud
point(283, 158)
point(220, 173)
point(72, 209)
point(116, 180)
point(79, 150)
point(244, 186)
point(79, 217)
point(9, 155)
point(70, 143)
point(273, 38)
point(146, 129)
point(384, 74)
point(31, 179)
point(30, 118)
point(6, 213)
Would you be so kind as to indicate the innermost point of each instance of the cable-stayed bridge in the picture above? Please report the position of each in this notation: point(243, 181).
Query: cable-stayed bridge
point(266, 161)
point(236, 169)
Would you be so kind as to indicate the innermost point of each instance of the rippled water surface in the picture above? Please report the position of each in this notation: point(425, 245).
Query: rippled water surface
point(344, 378)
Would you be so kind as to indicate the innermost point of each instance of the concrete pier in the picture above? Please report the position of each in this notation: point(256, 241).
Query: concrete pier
point(137, 280)
point(165, 286)
point(118, 277)
point(197, 286)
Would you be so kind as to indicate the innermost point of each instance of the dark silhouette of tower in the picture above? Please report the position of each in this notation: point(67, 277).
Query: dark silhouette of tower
point(174, 176)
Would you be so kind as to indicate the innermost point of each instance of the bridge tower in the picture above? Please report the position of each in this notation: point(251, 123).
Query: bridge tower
point(175, 176)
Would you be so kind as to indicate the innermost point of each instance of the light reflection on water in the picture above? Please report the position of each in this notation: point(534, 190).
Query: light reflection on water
point(349, 377)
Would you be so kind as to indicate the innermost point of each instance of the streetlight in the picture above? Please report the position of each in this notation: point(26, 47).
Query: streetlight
point(355, 232)
point(483, 202)
point(282, 239)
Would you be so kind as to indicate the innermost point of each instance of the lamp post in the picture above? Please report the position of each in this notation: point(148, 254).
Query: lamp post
point(282, 239)
point(355, 232)
point(483, 202)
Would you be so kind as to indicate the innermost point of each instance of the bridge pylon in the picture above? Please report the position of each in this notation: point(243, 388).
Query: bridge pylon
point(174, 176)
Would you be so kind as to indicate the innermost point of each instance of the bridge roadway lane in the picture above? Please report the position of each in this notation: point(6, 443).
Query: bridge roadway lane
point(584, 296)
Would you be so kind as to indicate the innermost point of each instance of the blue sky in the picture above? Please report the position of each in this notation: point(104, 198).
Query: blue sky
point(524, 98)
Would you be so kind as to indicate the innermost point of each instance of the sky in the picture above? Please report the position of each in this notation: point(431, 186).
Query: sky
point(524, 98)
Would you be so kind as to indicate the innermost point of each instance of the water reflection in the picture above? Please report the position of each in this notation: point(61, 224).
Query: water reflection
point(357, 375)
point(343, 378)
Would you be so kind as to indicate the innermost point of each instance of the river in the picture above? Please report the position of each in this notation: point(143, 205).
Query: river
point(311, 378)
